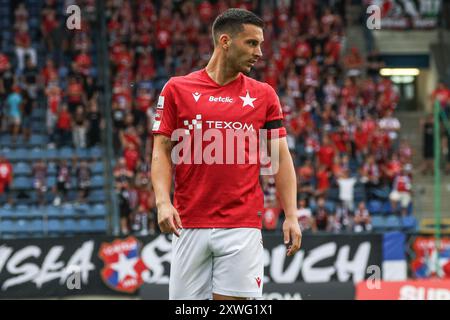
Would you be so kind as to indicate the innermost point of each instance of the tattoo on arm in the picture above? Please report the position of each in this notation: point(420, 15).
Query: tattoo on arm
point(167, 143)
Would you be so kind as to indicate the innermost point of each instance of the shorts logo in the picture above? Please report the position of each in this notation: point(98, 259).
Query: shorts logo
point(124, 268)
point(258, 281)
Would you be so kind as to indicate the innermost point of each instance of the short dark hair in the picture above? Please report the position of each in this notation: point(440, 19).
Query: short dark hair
point(232, 21)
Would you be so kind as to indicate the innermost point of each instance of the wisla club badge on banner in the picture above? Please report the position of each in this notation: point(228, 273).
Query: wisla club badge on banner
point(124, 269)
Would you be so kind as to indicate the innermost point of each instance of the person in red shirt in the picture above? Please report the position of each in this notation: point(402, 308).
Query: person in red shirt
point(326, 152)
point(393, 167)
point(305, 178)
point(64, 127)
point(442, 95)
point(6, 176)
point(131, 156)
point(270, 217)
point(146, 202)
point(361, 142)
point(4, 63)
point(49, 27)
point(323, 180)
point(75, 94)
point(341, 140)
point(218, 206)
point(82, 63)
point(401, 191)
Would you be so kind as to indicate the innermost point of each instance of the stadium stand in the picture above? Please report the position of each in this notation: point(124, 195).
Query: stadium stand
point(339, 113)
point(336, 113)
point(51, 124)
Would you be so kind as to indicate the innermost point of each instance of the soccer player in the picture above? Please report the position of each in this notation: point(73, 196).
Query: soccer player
point(216, 214)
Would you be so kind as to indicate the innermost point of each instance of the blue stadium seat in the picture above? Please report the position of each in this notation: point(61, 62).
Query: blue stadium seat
point(38, 139)
point(22, 210)
point(68, 210)
point(51, 168)
point(53, 211)
point(22, 169)
point(21, 183)
point(99, 225)
point(6, 212)
point(330, 206)
point(7, 227)
point(409, 222)
point(54, 226)
point(97, 167)
point(393, 222)
point(95, 152)
point(36, 226)
point(51, 181)
point(97, 196)
point(18, 154)
point(70, 226)
point(50, 154)
point(386, 208)
point(85, 225)
point(36, 212)
point(66, 153)
point(98, 210)
point(375, 207)
point(82, 208)
point(36, 154)
point(378, 222)
point(21, 226)
point(82, 153)
point(98, 181)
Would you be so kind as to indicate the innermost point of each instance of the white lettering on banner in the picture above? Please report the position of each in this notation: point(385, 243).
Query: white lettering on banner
point(51, 268)
point(27, 271)
point(81, 258)
point(281, 296)
point(155, 262)
point(343, 267)
point(355, 268)
point(409, 292)
point(156, 255)
point(5, 252)
point(317, 254)
point(277, 265)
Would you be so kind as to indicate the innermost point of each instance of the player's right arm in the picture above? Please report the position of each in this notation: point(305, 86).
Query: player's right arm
point(165, 122)
point(161, 173)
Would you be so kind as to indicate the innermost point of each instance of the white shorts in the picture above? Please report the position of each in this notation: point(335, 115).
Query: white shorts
point(228, 262)
point(403, 197)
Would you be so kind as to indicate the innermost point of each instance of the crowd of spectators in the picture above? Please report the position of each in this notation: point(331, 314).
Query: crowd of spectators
point(339, 113)
point(50, 67)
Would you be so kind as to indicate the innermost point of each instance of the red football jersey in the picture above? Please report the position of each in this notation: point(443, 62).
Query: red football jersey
point(218, 195)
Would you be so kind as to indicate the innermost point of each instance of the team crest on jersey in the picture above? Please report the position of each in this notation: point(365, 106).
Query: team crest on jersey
point(124, 267)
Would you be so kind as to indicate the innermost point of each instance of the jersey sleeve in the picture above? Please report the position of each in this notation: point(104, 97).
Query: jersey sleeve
point(165, 118)
point(274, 117)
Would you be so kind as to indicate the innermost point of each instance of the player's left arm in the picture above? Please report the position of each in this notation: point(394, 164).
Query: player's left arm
point(286, 184)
